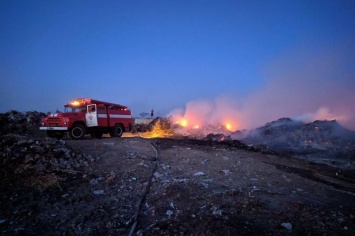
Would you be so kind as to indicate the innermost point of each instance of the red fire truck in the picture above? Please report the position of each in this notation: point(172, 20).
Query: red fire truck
point(88, 116)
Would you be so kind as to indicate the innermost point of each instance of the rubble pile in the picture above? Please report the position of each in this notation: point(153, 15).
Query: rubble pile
point(273, 134)
point(20, 122)
point(324, 135)
point(23, 156)
point(324, 141)
point(31, 169)
point(288, 134)
point(217, 137)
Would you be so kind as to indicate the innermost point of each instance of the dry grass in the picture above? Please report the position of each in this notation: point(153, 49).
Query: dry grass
point(160, 129)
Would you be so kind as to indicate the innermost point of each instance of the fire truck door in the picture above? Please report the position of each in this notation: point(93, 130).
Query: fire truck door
point(91, 115)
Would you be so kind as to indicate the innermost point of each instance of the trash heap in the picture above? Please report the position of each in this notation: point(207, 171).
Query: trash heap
point(32, 170)
point(296, 135)
point(20, 122)
point(324, 141)
point(27, 162)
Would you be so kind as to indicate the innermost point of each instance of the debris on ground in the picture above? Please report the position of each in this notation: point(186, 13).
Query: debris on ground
point(118, 186)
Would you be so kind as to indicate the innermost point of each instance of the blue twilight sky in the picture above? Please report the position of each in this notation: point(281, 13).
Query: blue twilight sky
point(260, 59)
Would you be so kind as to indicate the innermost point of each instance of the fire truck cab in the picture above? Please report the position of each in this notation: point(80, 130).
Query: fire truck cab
point(88, 116)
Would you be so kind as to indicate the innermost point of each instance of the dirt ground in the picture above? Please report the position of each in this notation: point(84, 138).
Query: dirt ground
point(136, 186)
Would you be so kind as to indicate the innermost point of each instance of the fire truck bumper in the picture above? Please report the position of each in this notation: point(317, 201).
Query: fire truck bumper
point(53, 128)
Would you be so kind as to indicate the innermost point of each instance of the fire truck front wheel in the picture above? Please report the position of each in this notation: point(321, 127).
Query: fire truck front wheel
point(77, 132)
point(117, 131)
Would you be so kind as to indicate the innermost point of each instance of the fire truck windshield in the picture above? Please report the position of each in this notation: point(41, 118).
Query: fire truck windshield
point(75, 109)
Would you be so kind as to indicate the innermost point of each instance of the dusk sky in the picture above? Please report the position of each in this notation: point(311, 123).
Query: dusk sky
point(255, 61)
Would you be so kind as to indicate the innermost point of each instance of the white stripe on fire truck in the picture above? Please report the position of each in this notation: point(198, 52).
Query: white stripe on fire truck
point(120, 116)
point(113, 116)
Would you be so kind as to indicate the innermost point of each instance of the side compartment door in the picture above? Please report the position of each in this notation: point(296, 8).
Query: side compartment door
point(91, 115)
point(102, 115)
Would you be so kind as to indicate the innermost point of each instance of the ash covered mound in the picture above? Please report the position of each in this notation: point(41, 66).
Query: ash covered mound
point(319, 141)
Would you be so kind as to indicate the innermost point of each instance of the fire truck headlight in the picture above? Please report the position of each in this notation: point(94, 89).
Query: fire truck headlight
point(42, 123)
point(65, 122)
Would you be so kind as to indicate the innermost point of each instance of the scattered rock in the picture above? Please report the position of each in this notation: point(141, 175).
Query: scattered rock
point(99, 192)
point(157, 175)
point(169, 213)
point(226, 172)
point(200, 173)
point(2, 221)
point(287, 226)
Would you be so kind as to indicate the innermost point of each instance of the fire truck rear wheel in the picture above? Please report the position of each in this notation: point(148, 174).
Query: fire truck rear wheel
point(77, 132)
point(118, 131)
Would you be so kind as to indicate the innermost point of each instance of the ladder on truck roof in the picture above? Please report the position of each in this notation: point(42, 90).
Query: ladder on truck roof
point(88, 101)
point(108, 104)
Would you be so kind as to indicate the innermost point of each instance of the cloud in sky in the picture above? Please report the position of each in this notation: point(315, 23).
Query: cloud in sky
point(305, 83)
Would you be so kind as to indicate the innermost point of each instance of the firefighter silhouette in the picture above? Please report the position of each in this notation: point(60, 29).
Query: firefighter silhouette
point(151, 113)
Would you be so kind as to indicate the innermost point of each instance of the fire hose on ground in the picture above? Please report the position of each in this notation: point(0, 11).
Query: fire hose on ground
point(145, 192)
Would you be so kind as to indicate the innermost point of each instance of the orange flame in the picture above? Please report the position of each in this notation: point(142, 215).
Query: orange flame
point(183, 123)
point(190, 121)
point(160, 129)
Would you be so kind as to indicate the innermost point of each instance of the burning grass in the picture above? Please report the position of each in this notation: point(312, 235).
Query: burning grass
point(161, 128)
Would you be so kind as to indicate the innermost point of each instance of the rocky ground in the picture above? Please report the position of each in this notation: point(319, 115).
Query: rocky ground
point(167, 186)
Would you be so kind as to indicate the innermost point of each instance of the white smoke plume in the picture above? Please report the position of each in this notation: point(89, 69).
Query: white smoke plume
point(305, 84)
